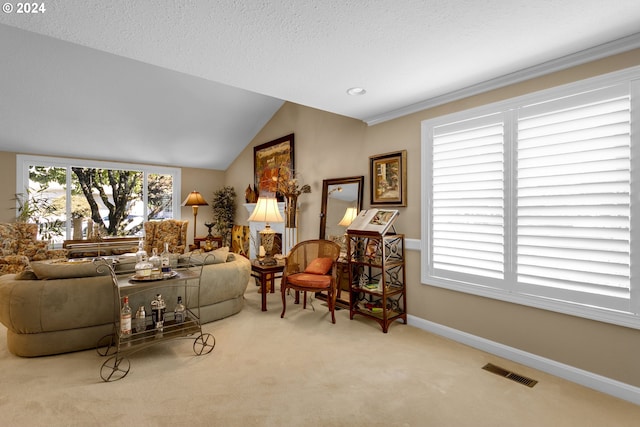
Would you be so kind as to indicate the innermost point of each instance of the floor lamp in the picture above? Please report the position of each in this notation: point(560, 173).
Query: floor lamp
point(194, 199)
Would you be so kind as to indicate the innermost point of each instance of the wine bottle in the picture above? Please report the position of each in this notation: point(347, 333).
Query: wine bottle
point(125, 317)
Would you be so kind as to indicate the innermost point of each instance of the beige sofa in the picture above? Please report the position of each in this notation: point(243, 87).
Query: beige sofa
point(59, 315)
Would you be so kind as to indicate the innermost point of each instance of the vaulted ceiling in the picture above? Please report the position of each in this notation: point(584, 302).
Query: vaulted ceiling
point(190, 83)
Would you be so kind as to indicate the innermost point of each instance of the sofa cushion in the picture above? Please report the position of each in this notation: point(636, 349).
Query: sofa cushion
point(310, 280)
point(60, 269)
point(319, 266)
point(217, 256)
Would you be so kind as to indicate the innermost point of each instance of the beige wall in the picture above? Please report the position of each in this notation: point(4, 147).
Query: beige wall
point(331, 146)
point(205, 181)
point(8, 187)
point(326, 146)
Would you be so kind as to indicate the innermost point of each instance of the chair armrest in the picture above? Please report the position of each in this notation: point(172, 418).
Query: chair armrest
point(13, 263)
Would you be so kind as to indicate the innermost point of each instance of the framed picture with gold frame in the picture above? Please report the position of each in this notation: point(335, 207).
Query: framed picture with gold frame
point(272, 161)
point(388, 175)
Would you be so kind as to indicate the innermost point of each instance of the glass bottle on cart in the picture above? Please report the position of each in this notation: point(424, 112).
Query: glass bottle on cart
point(158, 308)
point(165, 261)
point(125, 317)
point(179, 311)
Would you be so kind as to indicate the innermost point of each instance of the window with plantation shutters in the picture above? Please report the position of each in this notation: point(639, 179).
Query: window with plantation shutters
point(531, 200)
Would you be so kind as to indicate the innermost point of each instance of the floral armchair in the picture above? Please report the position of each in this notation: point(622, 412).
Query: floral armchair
point(20, 246)
point(172, 231)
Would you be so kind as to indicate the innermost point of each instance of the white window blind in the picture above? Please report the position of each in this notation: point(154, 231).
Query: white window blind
point(532, 200)
point(468, 197)
point(573, 202)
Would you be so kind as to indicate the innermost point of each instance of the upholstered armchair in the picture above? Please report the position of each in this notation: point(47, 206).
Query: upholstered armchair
point(20, 246)
point(172, 231)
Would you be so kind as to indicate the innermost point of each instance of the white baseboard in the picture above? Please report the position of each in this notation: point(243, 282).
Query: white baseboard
point(570, 373)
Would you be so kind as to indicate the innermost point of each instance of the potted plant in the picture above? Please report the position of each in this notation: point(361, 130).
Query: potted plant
point(35, 207)
point(223, 205)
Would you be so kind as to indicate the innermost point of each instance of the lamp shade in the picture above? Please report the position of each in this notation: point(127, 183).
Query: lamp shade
point(348, 217)
point(194, 199)
point(266, 210)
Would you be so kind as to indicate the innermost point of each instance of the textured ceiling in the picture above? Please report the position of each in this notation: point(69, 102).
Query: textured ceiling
point(403, 52)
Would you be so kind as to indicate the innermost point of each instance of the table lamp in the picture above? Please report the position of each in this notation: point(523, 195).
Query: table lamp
point(349, 216)
point(267, 211)
point(194, 199)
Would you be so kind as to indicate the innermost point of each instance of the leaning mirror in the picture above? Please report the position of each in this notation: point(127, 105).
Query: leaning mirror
point(341, 200)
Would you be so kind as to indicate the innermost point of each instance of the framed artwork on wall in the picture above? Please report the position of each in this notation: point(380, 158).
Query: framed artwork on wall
point(388, 175)
point(272, 160)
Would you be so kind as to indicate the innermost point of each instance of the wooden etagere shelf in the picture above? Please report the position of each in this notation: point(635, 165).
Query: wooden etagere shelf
point(377, 277)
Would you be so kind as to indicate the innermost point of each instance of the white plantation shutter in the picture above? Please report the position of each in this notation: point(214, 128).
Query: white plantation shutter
point(573, 184)
point(468, 198)
point(533, 201)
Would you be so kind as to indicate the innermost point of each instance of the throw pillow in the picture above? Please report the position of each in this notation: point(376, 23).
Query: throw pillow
point(319, 266)
point(57, 269)
point(217, 256)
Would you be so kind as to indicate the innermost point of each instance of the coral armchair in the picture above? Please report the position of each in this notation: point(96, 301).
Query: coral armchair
point(310, 266)
point(172, 231)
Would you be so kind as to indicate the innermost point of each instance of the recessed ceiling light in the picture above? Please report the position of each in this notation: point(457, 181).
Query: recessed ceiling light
point(356, 91)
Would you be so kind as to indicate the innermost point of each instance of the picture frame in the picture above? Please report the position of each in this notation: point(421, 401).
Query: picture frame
point(271, 161)
point(388, 179)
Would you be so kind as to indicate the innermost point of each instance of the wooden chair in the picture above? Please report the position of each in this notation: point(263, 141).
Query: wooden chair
point(310, 266)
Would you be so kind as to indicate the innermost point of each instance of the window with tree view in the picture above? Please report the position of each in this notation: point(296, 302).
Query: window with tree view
point(95, 199)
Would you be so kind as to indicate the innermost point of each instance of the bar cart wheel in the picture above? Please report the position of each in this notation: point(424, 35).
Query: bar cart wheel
point(115, 368)
point(204, 344)
point(106, 345)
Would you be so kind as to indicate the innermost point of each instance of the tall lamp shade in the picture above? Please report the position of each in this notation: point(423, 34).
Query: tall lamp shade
point(194, 199)
point(349, 216)
point(266, 211)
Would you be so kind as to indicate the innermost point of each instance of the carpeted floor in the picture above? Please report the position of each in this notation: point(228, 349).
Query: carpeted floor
point(297, 371)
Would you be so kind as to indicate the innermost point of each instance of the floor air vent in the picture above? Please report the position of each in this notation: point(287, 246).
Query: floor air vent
point(510, 375)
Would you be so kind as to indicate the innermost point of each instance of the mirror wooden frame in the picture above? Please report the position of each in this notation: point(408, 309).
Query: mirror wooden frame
point(325, 190)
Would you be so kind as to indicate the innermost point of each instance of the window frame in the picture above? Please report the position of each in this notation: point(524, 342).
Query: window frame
point(23, 162)
point(509, 292)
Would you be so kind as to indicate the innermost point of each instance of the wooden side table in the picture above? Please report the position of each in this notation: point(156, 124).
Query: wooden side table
point(199, 243)
point(266, 274)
